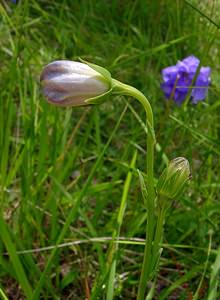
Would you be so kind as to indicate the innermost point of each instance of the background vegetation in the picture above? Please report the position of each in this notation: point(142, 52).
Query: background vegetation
point(47, 154)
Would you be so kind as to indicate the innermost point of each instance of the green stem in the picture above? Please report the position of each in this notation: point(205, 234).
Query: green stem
point(124, 89)
point(156, 250)
point(146, 265)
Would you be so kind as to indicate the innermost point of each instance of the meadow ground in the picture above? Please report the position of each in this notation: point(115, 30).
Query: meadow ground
point(49, 155)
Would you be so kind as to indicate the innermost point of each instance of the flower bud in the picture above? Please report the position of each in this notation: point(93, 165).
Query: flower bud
point(70, 83)
point(174, 178)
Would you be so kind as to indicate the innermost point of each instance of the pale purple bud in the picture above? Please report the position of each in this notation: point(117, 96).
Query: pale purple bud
point(70, 83)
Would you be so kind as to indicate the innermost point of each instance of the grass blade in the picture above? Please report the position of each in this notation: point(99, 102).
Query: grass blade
point(21, 276)
point(73, 213)
point(116, 233)
point(214, 278)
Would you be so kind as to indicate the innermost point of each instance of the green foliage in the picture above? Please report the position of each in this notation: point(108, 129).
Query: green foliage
point(62, 171)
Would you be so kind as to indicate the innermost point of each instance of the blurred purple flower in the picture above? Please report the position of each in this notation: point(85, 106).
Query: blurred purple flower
point(179, 78)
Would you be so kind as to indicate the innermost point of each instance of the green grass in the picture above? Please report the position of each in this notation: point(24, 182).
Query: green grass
point(63, 171)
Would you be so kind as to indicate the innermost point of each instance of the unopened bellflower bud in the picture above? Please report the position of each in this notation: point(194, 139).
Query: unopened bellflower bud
point(174, 178)
point(70, 83)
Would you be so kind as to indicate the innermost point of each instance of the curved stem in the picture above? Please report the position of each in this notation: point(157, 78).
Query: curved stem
point(124, 89)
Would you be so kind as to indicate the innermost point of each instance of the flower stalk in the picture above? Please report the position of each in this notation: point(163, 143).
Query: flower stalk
point(125, 89)
point(68, 83)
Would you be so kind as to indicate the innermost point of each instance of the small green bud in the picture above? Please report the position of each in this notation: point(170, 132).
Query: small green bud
point(174, 178)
